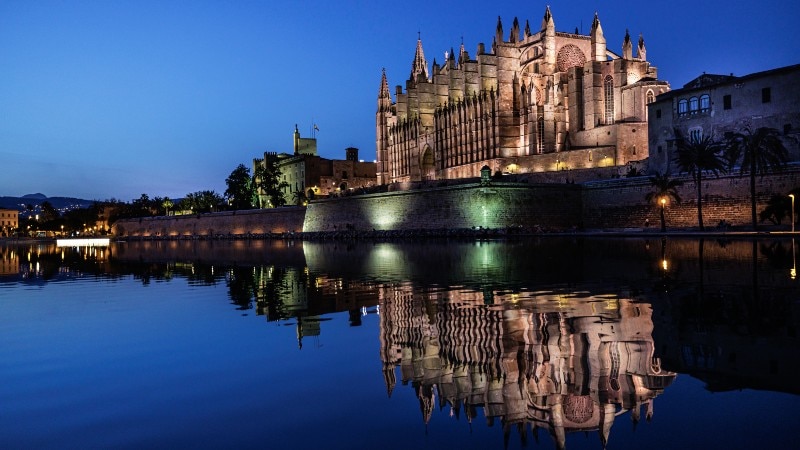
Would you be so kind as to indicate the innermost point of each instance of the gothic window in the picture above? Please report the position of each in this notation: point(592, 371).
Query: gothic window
point(650, 97)
point(569, 56)
point(693, 105)
point(695, 134)
point(608, 84)
point(705, 103)
point(540, 133)
point(683, 107)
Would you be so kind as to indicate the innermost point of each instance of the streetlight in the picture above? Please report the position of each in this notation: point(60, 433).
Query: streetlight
point(791, 196)
point(663, 222)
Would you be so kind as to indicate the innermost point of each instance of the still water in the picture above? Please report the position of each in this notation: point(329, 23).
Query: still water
point(542, 343)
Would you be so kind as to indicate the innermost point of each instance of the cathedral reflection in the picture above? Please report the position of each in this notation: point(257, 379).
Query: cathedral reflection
point(543, 336)
point(541, 364)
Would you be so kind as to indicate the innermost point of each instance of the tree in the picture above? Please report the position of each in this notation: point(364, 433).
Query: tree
point(300, 198)
point(202, 201)
point(167, 204)
point(696, 155)
point(761, 151)
point(49, 212)
point(241, 189)
point(267, 180)
point(664, 188)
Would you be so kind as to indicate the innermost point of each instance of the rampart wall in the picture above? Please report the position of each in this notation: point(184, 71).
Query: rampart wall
point(621, 203)
point(499, 205)
point(256, 221)
point(609, 204)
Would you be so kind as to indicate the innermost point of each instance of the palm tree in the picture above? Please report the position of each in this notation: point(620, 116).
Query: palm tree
point(167, 204)
point(761, 151)
point(664, 188)
point(696, 155)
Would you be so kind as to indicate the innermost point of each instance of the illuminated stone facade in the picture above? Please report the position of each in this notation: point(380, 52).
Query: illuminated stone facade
point(715, 105)
point(9, 221)
point(536, 102)
point(308, 175)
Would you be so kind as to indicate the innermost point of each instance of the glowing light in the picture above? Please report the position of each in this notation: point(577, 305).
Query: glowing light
point(664, 264)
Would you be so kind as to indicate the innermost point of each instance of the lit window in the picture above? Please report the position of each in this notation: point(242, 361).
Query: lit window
point(683, 107)
point(609, 99)
point(693, 105)
point(705, 103)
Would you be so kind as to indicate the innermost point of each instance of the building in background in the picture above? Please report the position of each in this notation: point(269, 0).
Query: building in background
point(9, 221)
point(309, 176)
point(535, 102)
point(717, 105)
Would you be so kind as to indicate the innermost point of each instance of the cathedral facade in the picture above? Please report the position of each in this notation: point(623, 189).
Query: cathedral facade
point(536, 102)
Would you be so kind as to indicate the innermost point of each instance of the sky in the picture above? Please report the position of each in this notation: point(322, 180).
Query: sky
point(113, 99)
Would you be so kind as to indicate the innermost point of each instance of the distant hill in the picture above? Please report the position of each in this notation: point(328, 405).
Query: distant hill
point(36, 200)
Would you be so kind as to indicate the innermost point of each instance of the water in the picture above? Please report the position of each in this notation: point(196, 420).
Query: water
point(524, 344)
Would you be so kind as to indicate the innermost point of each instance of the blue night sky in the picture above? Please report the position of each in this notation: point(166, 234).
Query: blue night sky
point(112, 99)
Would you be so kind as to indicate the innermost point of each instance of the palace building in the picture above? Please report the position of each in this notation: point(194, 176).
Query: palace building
point(533, 102)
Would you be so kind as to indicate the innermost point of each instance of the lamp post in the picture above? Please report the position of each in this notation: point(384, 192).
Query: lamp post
point(791, 196)
point(663, 222)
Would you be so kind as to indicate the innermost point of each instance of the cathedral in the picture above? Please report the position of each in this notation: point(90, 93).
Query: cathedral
point(535, 102)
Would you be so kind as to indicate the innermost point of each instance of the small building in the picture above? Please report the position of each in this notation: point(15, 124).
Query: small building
point(718, 105)
point(9, 222)
point(309, 175)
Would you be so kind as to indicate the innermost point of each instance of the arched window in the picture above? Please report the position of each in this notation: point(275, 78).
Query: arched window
point(651, 97)
point(540, 135)
point(683, 107)
point(608, 84)
point(705, 103)
point(693, 105)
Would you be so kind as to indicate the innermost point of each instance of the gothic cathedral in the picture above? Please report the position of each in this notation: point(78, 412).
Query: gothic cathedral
point(536, 102)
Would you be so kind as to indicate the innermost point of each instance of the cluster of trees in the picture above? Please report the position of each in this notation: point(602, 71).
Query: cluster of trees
point(244, 189)
point(757, 152)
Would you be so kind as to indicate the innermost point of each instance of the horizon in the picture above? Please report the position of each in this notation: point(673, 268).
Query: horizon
point(113, 100)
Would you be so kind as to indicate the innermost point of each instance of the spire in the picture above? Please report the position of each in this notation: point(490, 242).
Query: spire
point(514, 37)
point(547, 20)
point(527, 28)
point(499, 31)
point(462, 54)
point(384, 96)
point(598, 40)
point(419, 66)
point(627, 46)
point(641, 52)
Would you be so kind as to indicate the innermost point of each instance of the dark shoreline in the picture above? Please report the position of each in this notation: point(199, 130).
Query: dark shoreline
point(461, 234)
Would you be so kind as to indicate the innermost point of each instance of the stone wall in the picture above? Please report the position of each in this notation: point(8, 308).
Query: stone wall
point(257, 221)
point(621, 203)
point(500, 205)
point(609, 204)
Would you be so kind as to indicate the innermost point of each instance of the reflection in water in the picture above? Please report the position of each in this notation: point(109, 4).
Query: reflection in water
point(550, 335)
point(538, 363)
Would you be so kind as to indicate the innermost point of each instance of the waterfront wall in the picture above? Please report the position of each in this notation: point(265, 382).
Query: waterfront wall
point(609, 204)
point(256, 221)
point(621, 203)
point(499, 205)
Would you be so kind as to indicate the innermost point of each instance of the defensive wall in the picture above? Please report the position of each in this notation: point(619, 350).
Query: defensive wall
point(220, 224)
point(621, 203)
point(608, 204)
